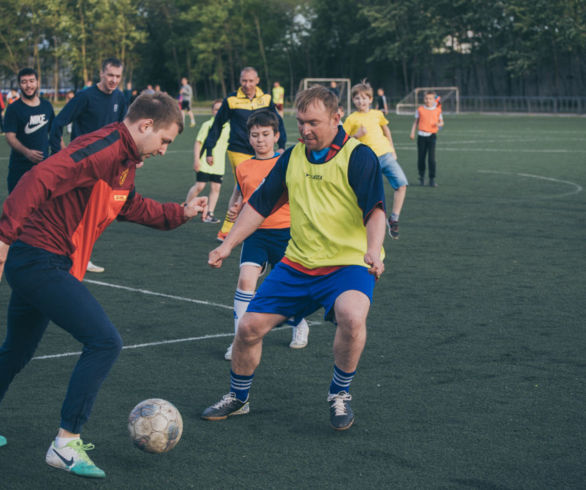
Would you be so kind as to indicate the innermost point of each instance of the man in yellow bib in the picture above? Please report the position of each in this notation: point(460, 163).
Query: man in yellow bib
point(334, 188)
point(236, 108)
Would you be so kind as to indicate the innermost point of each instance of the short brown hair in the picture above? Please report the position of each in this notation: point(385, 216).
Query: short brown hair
point(362, 88)
point(159, 107)
point(316, 93)
point(263, 119)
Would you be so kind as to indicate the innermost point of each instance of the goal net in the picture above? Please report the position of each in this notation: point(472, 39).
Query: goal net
point(449, 98)
point(342, 86)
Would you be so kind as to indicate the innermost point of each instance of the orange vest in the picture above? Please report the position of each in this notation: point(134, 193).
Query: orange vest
point(429, 119)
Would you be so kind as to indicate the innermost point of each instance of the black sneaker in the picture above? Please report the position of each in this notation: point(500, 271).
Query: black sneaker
point(432, 183)
point(393, 227)
point(229, 405)
point(341, 415)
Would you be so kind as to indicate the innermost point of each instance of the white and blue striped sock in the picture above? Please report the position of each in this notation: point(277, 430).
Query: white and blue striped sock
point(340, 381)
point(241, 300)
point(240, 385)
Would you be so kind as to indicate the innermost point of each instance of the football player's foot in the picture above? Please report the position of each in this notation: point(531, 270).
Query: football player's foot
point(91, 267)
point(393, 227)
point(299, 337)
point(229, 405)
point(221, 236)
point(432, 183)
point(228, 354)
point(341, 415)
point(3, 441)
point(73, 458)
point(210, 218)
point(192, 125)
point(421, 182)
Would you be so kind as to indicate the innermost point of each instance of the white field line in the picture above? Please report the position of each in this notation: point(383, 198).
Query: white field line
point(161, 342)
point(577, 188)
point(503, 150)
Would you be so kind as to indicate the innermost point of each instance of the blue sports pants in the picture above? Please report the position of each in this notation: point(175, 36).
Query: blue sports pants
point(43, 290)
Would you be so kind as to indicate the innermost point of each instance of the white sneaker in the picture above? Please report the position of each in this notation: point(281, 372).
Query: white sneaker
point(91, 267)
point(300, 333)
point(228, 354)
point(73, 458)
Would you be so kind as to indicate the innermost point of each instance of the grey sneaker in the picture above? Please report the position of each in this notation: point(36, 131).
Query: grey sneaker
point(341, 415)
point(228, 354)
point(299, 337)
point(432, 183)
point(229, 405)
point(421, 180)
point(393, 227)
point(210, 218)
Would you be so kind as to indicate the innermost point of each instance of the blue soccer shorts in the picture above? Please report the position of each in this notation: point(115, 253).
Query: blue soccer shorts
point(265, 246)
point(291, 293)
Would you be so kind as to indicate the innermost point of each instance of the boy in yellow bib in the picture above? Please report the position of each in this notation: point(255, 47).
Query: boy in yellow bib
point(334, 188)
point(370, 127)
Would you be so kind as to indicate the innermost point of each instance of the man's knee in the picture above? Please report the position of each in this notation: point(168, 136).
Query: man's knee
point(254, 326)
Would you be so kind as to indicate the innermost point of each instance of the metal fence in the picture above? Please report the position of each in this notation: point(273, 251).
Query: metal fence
point(552, 105)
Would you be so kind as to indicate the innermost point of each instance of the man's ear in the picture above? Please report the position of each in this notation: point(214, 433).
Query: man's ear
point(336, 117)
point(145, 124)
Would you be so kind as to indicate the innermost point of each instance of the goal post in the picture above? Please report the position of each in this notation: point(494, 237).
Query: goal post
point(449, 97)
point(342, 84)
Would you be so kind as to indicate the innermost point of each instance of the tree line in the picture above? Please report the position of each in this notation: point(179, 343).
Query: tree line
point(496, 47)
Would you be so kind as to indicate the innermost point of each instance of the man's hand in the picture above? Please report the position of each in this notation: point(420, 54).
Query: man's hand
point(376, 264)
point(35, 156)
point(195, 206)
point(3, 254)
point(217, 255)
point(210, 160)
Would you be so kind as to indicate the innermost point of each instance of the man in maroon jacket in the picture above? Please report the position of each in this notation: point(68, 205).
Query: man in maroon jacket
point(49, 225)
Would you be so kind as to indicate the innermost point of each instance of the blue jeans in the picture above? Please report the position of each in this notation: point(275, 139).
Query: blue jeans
point(392, 171)
point(43, 290)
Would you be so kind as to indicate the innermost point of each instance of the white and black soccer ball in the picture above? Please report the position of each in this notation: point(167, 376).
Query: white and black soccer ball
point(155, 425)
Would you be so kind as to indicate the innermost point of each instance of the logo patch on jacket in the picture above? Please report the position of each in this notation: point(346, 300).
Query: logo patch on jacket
point(123, 176)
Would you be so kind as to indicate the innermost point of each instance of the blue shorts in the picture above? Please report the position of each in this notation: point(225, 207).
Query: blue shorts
point(291, 293)
point(265, 246)
point(392, 171)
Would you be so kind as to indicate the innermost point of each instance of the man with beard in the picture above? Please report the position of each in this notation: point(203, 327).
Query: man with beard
point(91, 109)
point(27, 124)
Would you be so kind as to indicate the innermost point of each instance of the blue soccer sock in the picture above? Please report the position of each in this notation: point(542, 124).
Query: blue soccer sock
point(340, 381)
point(240, 385)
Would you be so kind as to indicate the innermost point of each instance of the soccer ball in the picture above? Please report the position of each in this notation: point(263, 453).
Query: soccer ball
point(155, 425)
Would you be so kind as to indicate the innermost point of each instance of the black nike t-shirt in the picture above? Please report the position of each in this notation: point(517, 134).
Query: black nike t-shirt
point(31, 125)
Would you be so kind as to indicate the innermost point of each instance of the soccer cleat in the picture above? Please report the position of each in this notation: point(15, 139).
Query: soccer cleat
point(221, 236)
point(393, 227)
point(432, 183)
point(299, 338)
point(3, 441)
point(210, 218)
point(73, 458)
point(229, 405)
point(228, 354)
point(341, 415)
point(91, 267)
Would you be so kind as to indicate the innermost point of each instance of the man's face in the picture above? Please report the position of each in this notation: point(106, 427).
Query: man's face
point(248, 81)
point(317, 127)
point(28, 86)
point(263, 139)
point(110, 78)
point(153, 143)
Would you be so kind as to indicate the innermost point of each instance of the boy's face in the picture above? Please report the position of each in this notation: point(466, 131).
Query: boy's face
point(362, 101)
point(429, 100)
point(263, 140)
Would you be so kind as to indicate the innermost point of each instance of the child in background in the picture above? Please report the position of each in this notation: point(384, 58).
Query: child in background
point(209, 173)
point(370, 127)
point(267, 244)
point(428, 121)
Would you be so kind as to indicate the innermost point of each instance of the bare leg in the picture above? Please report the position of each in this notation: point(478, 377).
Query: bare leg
point(351, 309)
point(399, 199)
